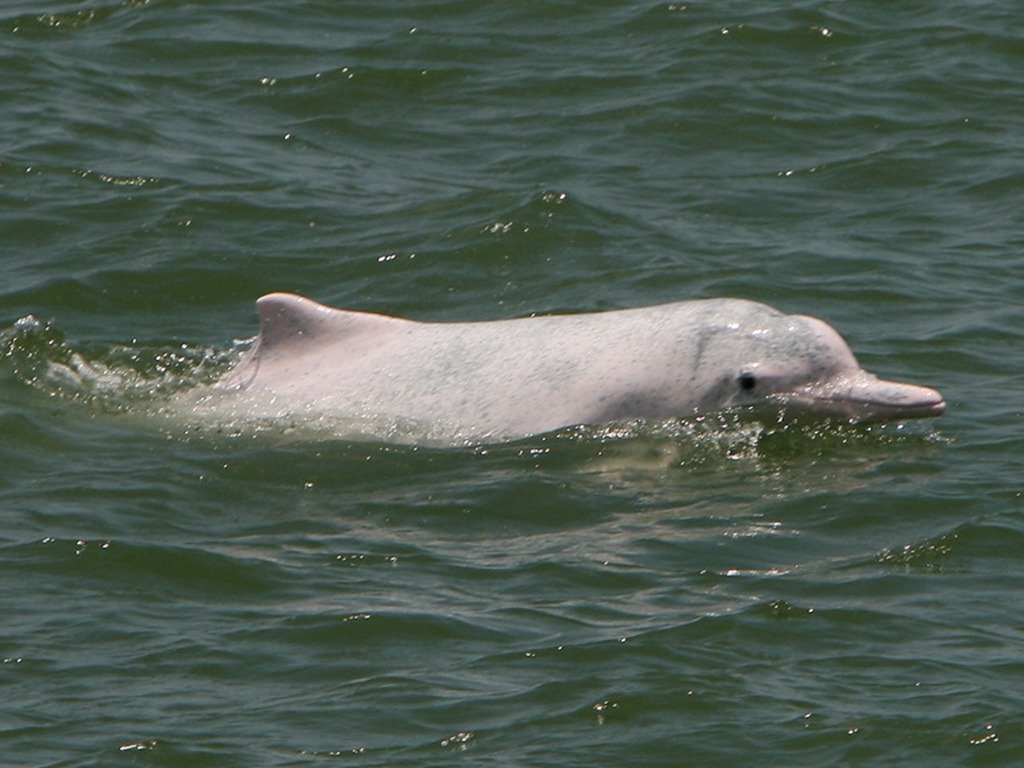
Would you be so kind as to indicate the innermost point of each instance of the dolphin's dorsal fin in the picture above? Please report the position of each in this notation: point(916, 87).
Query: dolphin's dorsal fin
point(287, 320)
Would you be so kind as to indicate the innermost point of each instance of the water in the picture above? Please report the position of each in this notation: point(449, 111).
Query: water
point(698, 595)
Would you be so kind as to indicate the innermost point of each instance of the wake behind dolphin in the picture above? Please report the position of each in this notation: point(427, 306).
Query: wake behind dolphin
point(487, 382)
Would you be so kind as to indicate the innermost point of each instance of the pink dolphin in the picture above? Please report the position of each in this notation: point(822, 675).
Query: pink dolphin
point(485, 382)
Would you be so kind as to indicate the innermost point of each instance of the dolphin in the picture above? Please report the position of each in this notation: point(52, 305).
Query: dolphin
point(501, 380)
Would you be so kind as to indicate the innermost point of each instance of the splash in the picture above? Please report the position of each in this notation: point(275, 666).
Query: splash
point(111, 378)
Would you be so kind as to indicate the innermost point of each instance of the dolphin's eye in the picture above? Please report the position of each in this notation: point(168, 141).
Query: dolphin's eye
point(747, 381)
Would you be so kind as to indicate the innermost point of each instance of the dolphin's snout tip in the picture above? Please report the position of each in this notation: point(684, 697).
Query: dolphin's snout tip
point(925, 410)
point(938, 406)
point(909, 400)
point(892, 401)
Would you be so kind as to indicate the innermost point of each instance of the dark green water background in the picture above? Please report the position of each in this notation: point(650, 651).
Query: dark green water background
point(832, 597)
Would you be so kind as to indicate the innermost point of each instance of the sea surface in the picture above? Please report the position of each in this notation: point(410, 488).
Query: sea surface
point(703, 593)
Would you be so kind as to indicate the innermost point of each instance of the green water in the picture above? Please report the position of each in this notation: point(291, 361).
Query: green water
point(688, 596)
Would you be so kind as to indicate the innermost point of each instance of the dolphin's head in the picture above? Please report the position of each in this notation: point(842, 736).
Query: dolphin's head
point(800, 362)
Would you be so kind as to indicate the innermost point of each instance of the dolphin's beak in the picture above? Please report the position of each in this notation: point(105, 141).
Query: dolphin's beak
point(864, 397)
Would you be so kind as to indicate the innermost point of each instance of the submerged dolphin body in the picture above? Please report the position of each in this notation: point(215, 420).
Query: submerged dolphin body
point(494, 381)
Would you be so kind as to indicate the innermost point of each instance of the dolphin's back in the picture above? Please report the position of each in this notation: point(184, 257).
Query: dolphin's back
point(496, 378)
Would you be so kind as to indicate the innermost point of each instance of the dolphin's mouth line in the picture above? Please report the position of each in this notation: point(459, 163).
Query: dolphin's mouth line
point(863, 408)
point(929, 406)
point(867, 410)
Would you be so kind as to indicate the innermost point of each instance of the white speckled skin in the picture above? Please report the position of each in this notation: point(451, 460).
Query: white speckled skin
point(506, 379)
